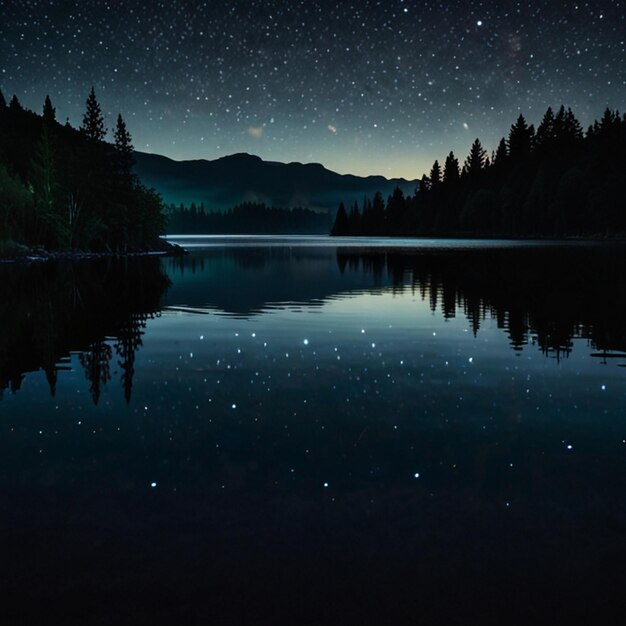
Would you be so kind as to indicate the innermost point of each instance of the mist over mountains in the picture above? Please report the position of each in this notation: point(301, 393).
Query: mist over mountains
point(225, 182)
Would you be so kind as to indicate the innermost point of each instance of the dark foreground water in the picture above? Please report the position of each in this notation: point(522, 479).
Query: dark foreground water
point(315, 431)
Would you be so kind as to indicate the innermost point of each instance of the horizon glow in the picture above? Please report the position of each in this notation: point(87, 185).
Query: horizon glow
point(361, 87)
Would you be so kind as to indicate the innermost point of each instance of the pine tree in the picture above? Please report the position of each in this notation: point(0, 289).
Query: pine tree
point(435, 175)
point(546, 129)
point(475, 161)
point(520, 139)
point(123, 148)
point(3, 102)
point(451, 169)
point(609, 120)
point(93, 120)
point(15, 104)
point(49, 112)
point(571, 127)
point(501, 153)
point(340, 227)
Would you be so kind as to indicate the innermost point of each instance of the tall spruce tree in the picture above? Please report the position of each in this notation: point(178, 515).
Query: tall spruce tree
point(475, 161)
point(93, 121)
point(123, 148)
point(501, 154)
point(340, 227)
point(571, 127)
point(520, 139)
point(3, 102)
point(49, 112)
point(609, 120)
point(15, 104)
point(545, 130)
point(435, 175)
point(451, 169)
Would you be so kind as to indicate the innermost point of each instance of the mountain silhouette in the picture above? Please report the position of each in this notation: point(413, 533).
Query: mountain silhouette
point(231, 180)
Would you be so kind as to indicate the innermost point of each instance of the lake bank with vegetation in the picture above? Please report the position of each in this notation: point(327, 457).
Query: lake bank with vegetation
point(553, 182)
point(64, 189)
point(15, 252)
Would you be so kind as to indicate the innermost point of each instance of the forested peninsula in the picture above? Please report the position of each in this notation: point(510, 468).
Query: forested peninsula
point(68, 189)
point(555, 181)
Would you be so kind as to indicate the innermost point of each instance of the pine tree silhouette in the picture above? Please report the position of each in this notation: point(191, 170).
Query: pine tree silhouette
point(340, 227)
point(15, 104)
point(520, 139)
point(475, 162)
point(93, 121)
point(451, 169)
point(49, 112)
point(501, 154)
point(435, 175)
point(123, 148)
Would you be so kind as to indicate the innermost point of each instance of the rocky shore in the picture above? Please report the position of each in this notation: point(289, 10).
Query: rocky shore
point(17, 253)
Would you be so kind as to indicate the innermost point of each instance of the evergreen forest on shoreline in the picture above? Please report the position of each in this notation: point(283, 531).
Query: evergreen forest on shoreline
point(555, 181)
point(63, 188)
point(245, 218)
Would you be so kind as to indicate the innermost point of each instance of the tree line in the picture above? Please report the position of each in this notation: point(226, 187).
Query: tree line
point(245, 218)
point(552, 181)
point(66, 188)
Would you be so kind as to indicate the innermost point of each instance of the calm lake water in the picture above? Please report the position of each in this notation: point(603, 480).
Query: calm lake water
point(316, 431)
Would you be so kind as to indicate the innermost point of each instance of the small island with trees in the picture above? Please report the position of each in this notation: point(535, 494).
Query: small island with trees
point(64, 190)
point(555, 181)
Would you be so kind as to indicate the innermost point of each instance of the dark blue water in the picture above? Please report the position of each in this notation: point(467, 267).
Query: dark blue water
point(316, 431)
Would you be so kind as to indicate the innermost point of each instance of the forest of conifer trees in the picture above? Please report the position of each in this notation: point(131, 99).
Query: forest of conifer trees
point(63, 188)
point(555, 181)
point(245, 218)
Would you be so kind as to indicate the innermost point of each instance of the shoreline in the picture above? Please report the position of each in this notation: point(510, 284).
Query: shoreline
point(29, 255)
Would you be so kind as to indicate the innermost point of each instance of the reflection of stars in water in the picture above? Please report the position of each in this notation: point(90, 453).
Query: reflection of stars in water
point(394, 386)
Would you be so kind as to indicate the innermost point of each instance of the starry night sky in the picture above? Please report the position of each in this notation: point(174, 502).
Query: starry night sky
point(363, 87)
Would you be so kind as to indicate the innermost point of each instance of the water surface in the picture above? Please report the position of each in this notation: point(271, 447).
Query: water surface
point(317, 431)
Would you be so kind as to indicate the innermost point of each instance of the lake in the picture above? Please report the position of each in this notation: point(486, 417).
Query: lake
point(309, 430)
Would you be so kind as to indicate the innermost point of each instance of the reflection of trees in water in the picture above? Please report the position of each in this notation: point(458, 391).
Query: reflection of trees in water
point(96, 308)
point(540, 296)
point(128, 342)
point(95, 362)
point(253, 257)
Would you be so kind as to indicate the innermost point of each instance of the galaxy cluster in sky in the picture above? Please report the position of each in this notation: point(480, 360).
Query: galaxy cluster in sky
point(370, 87)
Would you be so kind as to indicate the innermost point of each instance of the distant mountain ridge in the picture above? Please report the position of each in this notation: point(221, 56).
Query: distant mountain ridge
point(225, 182)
